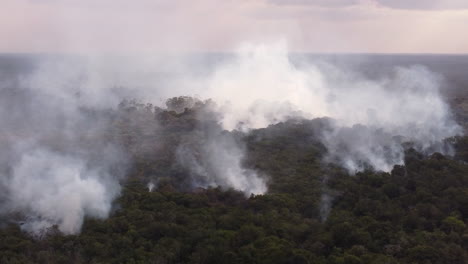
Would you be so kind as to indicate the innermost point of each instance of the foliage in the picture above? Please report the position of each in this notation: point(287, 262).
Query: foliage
point(416, 214)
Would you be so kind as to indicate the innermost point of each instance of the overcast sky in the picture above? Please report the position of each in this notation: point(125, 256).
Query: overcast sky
point(387, 26)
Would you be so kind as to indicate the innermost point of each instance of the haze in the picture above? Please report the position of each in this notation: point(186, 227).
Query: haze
point(362, 26)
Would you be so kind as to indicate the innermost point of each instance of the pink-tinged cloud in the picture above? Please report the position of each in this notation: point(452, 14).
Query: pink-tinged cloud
point(221, 25)
point(425, 4)
point(326, 3)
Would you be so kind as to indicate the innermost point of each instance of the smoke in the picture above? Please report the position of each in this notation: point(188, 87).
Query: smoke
point(216, 160)
point(61, 164)
point(264, 85)
point(360, 147)
point(372, 119)
point(58, 165)
point(58, 190)
point(70, 104)
point(260, 86)
point(326, 199)
point(150, 186)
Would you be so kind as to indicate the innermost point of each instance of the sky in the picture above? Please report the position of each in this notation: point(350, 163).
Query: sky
point(330, 26)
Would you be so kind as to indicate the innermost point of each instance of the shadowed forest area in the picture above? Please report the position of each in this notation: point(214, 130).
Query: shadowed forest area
point(313, 211)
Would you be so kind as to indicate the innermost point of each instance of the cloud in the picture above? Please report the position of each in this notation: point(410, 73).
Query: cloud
point(324, 3)
point(425, 4)
point(154, 26)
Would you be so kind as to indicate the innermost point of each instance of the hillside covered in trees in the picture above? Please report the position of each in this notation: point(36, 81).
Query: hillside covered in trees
point(313, 211)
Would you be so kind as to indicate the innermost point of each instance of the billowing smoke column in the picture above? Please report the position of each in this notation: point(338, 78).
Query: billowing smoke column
point(61, 190)
point(57, 164)
point(371, 118)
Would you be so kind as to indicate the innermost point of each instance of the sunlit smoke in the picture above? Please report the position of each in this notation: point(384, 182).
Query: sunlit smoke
point(262, 85)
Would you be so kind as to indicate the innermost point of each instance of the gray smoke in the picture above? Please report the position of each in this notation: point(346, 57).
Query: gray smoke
point(372, 118)
point(59, 190)
point(326, 199)
point(216, 160)
point(57, 164)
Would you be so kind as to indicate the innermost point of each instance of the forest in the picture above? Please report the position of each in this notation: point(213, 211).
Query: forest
point(312, 212)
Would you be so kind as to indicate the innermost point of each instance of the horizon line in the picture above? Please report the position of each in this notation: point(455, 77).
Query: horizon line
point(227, 53)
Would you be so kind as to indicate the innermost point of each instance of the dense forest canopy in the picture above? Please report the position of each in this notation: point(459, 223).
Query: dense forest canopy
point(235, 131)
point(288, 201)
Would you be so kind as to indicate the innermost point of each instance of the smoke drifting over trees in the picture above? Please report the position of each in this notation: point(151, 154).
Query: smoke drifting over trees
point(68, 144)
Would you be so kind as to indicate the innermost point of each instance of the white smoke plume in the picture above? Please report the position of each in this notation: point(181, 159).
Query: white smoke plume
point(57, 165)
point(150, 186)
point(262, 85)
point(216, 160)
point(58, 190)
